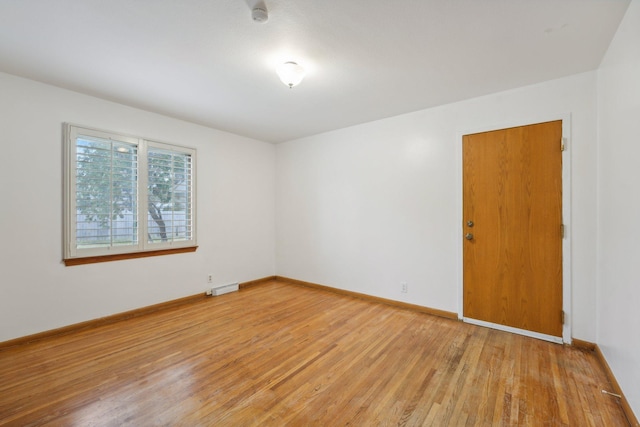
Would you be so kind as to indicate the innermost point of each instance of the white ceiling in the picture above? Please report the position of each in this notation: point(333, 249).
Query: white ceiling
point(207, 62)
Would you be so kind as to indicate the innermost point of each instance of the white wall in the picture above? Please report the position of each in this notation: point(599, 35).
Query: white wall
point(236, 224)
point(618, 314)
point(368, 207)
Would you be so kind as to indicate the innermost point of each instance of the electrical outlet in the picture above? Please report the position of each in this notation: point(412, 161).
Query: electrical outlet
point(404, 287)
point(210, 278)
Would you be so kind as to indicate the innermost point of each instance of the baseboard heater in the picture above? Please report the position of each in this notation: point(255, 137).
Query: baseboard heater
point(224, 289)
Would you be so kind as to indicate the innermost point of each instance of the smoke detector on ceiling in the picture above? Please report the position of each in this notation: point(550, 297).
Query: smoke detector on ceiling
point(259, 14)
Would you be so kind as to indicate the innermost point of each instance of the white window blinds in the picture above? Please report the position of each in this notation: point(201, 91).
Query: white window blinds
point(169, 191)
point(126, 194)
point(106, 195)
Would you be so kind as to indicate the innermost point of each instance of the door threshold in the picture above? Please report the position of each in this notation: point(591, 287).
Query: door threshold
point(532, 334)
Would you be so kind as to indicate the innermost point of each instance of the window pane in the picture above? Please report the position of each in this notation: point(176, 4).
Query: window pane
point(106, 193)
point(104, 179)
point(169, 200)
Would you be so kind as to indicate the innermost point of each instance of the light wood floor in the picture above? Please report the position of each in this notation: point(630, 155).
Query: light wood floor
point(279, 354)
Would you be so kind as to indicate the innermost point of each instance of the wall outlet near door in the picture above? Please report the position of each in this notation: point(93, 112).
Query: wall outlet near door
point(404, 287)
point(210, 278)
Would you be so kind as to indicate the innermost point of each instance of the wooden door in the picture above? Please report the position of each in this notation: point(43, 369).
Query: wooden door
point(512, 216)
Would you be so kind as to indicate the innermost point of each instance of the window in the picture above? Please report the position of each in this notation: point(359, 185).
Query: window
point(126, 195)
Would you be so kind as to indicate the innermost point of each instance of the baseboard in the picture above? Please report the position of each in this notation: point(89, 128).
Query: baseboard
point(257, 282)
point(583, 345)
point(94, 323)
point(626, 408)
point(414, 307)
point(624, 403)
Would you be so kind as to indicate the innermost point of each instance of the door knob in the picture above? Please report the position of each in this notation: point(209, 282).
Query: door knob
point(468, 236)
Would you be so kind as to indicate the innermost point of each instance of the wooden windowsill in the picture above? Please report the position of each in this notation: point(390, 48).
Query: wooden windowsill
point(118, 257)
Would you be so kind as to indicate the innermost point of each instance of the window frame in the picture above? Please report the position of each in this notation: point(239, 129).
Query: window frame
point(72, 254)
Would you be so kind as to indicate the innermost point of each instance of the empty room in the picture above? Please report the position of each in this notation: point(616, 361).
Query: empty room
point(319, 213)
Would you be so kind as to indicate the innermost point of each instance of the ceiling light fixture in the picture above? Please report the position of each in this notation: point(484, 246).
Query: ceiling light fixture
point(290, 73)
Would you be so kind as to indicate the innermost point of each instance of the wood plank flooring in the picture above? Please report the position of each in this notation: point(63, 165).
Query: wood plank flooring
point(284, 355)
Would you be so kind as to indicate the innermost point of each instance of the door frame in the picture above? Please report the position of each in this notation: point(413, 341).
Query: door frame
point(566, 217)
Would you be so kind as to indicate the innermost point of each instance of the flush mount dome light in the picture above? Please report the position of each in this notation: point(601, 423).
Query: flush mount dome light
point(290, 73)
